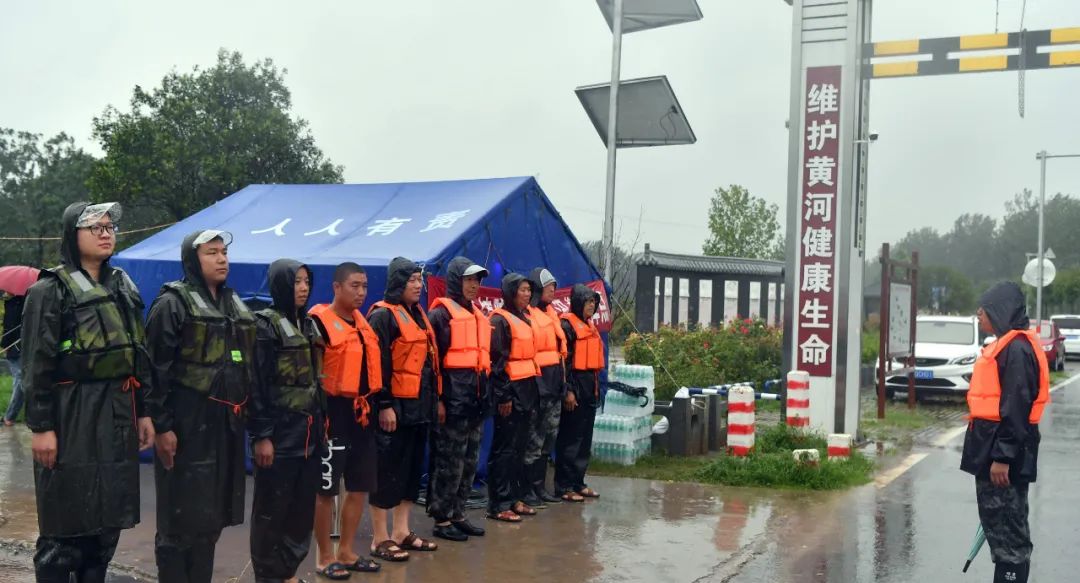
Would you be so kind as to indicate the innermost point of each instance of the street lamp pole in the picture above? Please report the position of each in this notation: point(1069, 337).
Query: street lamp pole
point(1042, 157)
point(613, 116)
point(1042, 204)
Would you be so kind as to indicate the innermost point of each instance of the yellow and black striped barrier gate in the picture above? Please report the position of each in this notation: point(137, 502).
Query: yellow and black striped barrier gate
point(1007, 51)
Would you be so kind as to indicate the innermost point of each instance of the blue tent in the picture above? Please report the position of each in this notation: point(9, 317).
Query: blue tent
point(506, 224)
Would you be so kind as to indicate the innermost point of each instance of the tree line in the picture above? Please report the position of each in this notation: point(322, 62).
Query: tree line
point(175, 149)
point(980, 250)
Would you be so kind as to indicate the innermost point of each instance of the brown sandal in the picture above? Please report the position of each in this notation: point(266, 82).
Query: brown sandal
point(524, 509)
point(573, 497)
point(506, 516)
point(385, 551)
point(411, 541)
point(589, 493)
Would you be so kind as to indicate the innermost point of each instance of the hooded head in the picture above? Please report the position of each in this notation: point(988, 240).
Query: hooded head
point(511, 282)
point(540, 278)
point(456, 271)
point(1005, 308)
point(397, 278)
point(82, 216)
point(189, 254)
point(282, 282)
point(579, 296)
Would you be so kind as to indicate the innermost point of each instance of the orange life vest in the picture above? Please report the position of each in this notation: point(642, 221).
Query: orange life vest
point(521, 363)
point(470, 338)
point(409, 351)
point(588, 347)
point(344, 345)
point(548, 336)
point(984, 396)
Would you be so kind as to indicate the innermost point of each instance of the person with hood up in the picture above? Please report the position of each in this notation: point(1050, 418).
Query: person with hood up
point(351, 377)
point(550, 358)
point(203, 349)
point(86, 374)
point(1010, 388)
point(285, 426)
point(514, 388)
point(410, 367)
point(585, 361)
point(463, 335)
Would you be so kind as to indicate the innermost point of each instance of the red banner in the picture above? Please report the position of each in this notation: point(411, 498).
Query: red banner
point(817, 248)
point(491, 299)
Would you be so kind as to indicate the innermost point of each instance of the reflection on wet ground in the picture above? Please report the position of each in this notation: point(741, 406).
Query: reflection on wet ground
point(917, 528)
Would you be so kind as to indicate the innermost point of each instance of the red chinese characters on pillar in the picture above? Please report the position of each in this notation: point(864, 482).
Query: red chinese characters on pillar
point(820, 190)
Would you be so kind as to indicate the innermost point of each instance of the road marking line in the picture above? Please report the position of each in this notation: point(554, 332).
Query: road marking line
point(909, 462)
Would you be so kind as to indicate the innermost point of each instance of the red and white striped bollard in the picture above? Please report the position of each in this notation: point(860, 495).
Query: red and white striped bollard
point(798, 399)
point(740, 420)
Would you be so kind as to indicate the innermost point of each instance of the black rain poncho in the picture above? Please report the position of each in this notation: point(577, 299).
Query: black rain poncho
point(94, 486)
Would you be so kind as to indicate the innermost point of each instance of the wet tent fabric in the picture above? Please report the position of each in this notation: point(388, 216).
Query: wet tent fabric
point(505, 224)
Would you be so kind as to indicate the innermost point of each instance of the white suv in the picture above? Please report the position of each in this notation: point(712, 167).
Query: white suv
point(1069, 327)
point(946, 348)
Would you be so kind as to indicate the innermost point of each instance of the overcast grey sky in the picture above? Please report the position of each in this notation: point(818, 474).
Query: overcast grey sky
point(439, 89)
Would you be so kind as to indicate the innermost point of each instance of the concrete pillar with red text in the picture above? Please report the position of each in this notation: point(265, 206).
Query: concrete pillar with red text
point(827, 206)
point(740, 420)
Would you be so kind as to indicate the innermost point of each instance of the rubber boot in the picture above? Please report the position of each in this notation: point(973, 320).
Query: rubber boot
point(1011, 573)
point(536, 473)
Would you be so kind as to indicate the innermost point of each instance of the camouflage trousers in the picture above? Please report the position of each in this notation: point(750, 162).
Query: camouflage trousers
point(1004, 516)
point(455, 453)
point(541, 441)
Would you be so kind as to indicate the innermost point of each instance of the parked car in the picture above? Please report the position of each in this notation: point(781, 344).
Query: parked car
point(946, 348)
point(1069, 327)
point(1053, 344)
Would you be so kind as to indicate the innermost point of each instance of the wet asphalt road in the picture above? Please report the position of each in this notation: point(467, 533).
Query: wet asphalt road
point(918, 527)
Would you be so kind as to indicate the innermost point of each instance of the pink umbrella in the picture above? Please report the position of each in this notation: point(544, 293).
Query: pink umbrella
point(15, 279)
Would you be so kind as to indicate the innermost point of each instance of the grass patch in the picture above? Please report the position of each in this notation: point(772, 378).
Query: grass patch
point(764, 406)
point(1058, 376)
point(770, 465)
point(5, 396)
point(899, 424)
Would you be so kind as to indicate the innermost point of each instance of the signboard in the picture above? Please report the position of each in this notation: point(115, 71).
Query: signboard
point(899, 320)
point(491, 299)
point(820, 188)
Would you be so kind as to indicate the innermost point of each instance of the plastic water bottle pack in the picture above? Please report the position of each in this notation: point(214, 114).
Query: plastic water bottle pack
point(622, 433)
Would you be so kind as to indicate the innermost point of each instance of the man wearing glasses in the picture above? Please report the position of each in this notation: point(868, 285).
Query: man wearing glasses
point(86, 374)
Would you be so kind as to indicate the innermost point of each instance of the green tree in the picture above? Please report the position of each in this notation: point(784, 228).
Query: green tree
point(1063, 295)
point(1020, 229)
point(743, 225)
point(38, 178)
point(956, 293)
point(932, 248)
point(970, 246)
point(201, 136)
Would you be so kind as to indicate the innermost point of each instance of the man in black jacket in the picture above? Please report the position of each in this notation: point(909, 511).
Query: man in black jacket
point(1009, 390)
point(86, 375)
point(463, 335)
point(202, 344)
point(285, 426)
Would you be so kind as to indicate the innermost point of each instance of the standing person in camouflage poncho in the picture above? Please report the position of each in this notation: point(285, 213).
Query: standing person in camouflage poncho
point(1010, 388)
point(463, 335)
point(85, 373)
point(202, 347)
point(286, 426)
